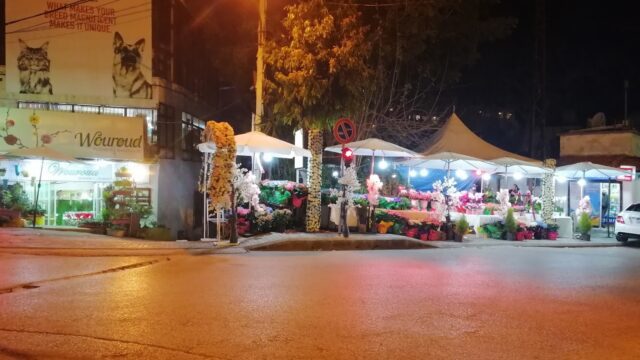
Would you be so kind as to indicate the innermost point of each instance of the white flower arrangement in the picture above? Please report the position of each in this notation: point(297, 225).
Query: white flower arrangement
point(503, 199)
point(373, 186)
point(246, 186)
point(584, 206)
point(351, 183)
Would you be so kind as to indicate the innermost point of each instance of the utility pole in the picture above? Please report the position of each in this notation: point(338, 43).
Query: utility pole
point(626, 90)
point(262, 30)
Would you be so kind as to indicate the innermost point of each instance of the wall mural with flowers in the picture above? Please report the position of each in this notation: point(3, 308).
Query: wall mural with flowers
point(39, 138)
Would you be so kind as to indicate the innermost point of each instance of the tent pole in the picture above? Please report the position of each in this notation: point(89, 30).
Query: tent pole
point(609, 210)
point(35, 204)
point(373, 160)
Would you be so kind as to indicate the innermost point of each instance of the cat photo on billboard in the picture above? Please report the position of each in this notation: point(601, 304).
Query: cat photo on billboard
point(128, 79)
point(33, 68)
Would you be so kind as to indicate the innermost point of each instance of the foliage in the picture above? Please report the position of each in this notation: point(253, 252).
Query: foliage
point(462, 225)
point(584, 223)
point(510, 222)
point(394, 203)
point(552, 227)
point(317, 67)
point(281, 219)
point(15, 198)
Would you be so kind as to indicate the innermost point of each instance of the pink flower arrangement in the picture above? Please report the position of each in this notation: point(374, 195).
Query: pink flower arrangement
point(242, 211)
point(289, 186)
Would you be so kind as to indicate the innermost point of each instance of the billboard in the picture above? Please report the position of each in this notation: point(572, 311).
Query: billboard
point(99, 47)
point(80, 135)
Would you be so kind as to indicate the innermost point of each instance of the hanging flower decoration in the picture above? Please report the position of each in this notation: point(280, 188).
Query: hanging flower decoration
point(503, 199)
point(222, 170)
point(351, 183)
point(373, 187)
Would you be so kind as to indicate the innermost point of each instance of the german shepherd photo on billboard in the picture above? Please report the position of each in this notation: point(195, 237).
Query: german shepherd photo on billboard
point(128, 79)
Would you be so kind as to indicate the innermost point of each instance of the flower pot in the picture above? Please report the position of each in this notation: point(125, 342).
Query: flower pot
point(424, 236)
point(520, 236)
point(415, 204)
point(39, 220)
point(585, 236)
point(552, 235)
point(434, 235)
point(443, 235)
point(413, 233)
point(528, 235)
point(297, 201)
point(384, 226)
point(458, 236)
point(511, 236)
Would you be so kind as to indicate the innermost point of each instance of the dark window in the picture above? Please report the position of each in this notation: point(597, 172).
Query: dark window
point(166, 131)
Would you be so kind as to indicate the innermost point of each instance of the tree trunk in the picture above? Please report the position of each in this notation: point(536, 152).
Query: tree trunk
point(315, 180)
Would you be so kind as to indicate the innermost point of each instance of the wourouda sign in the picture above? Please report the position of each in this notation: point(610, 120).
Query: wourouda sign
point(80, 135)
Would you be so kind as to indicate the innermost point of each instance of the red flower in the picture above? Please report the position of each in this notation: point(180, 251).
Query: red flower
point(10, 123)
point(10, 139)
point(46, 139)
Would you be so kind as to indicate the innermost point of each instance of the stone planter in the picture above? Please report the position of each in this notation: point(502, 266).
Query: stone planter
point(116, 232)
point(325, 214)
point(158, 233)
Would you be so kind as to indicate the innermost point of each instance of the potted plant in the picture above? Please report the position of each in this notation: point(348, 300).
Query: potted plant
point(510, 225)
point(552, 231)
point(462, 226)
point(520, 233)
point(584, 226)
point(39, 215)
point(300, 193)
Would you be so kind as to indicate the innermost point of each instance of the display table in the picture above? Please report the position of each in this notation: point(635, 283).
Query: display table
point(352, 215)
point(415, 215)
point(565, 226)
point(476, 220)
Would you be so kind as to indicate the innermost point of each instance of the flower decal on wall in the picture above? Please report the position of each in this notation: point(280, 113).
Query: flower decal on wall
point(8, 132)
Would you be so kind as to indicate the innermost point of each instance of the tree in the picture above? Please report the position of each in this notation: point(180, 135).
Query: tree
point(316, 73)
point(420, 51)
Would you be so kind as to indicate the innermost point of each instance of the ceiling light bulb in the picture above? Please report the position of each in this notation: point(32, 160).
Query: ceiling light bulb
point(424, 172)
point(383, 164)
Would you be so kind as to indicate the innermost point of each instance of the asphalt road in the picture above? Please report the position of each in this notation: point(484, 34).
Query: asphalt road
point(487, 303)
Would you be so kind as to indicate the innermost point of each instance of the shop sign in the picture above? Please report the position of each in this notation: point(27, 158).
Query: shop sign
point(632, 173)
point(97, 48)
point(77, 134)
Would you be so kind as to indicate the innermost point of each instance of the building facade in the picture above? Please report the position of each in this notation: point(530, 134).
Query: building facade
point(126, 69)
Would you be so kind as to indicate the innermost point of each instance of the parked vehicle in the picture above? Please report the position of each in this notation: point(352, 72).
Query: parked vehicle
point(628, 223)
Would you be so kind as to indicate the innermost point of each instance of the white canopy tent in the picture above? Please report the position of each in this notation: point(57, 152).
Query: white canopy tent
point(372, 147)
point(517, 168)
point(253, 142)
point(589, 170)
point(450, 161)
point(249, 144)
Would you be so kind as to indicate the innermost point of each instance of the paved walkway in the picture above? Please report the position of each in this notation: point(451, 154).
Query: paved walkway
point(53, 242)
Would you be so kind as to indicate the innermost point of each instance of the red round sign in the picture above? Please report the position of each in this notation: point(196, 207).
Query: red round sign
point(344, 131)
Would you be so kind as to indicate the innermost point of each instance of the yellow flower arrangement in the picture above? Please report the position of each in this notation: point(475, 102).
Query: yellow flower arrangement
point(219, 187)
point(34, 119)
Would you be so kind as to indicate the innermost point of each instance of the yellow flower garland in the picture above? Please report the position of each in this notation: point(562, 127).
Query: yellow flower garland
point(219, 187)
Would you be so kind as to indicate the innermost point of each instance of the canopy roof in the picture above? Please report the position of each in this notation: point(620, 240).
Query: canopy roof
point(449, 161)
point(456, 137)
point(527, 168)
point(589, 170)
point(374, 146)
point(257, 142)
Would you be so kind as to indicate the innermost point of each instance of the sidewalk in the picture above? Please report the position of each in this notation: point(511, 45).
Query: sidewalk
point(70, 243)
point(254, 243)
point(73, 243)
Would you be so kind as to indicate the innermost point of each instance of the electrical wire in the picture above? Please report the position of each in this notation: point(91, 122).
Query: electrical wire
point(79, 2)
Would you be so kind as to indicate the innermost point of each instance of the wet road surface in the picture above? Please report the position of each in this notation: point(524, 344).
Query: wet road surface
point(489, 303)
